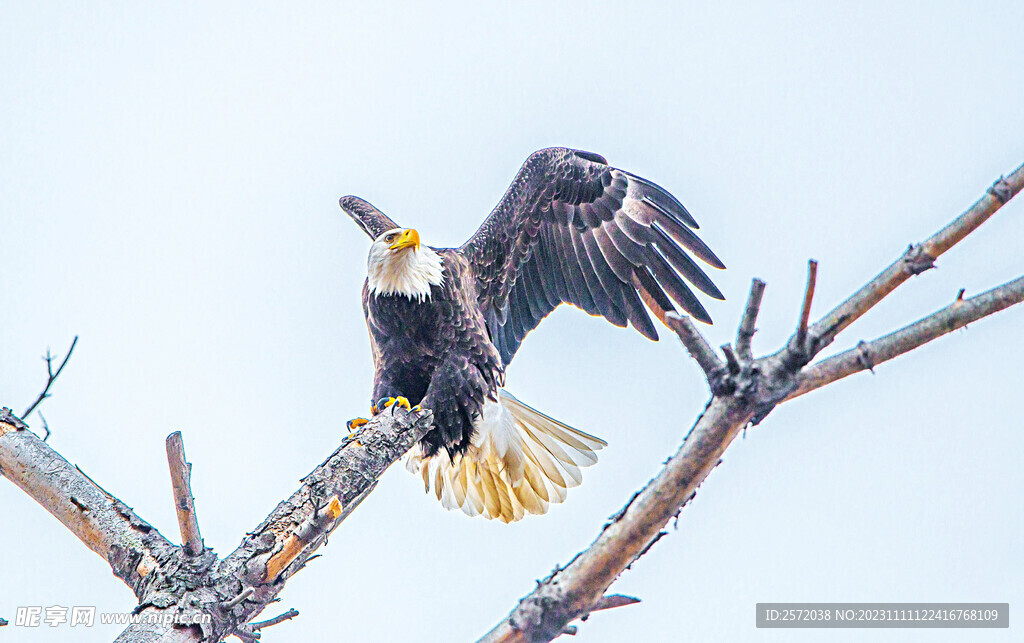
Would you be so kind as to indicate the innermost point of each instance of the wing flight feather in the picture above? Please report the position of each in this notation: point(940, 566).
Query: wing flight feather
point(572, 229)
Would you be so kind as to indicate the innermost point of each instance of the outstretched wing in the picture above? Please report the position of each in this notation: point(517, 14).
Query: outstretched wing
point(572, 229)
point(370, 219)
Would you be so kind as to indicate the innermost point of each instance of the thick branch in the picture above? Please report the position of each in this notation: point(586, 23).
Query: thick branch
point(106, 525)
point(543, 614)
point(867, 355)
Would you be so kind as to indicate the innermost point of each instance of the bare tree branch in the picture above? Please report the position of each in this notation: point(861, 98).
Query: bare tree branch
point(281, 618)
point(181, 486)
point(46, 426)
point(698, 347)
point(109, 527)
point(805, 311)
point(867, 355)
point(51, 376)
point(249, 633)
point(746, 393)
point(917, 259)
point(748, 324)
point(569, 593)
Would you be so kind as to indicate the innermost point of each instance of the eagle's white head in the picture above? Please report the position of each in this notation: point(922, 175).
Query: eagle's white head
point(399, 265)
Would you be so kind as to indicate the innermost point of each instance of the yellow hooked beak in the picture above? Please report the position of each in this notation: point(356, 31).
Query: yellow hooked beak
point(408, 239)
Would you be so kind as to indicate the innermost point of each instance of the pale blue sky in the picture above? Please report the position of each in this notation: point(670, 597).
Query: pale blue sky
point(170, 176)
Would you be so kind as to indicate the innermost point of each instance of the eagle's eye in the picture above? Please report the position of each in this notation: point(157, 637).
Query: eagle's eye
point(390, 237)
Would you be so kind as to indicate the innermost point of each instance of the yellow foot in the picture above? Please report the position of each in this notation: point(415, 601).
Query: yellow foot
point(416, 408)
point(356, 423)
point(386, 402)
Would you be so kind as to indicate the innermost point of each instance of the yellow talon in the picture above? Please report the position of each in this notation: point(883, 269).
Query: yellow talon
point(417, 408)
point(356, 423)
point(386, 402)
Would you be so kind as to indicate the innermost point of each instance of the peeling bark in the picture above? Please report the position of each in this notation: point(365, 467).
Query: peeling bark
point(232, 590)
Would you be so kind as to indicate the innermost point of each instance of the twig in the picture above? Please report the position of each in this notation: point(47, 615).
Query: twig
point(280, 618)
point(805, 311)
point(956, 315)
point(611, 601)
point(350, 473)
point(745, 334)
point(731, 361)
point(46, 427)
point(51, 376)
point(249, 632)
point(181, 486)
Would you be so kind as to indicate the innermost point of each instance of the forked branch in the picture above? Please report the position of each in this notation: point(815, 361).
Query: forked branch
point(867, 355)
point(744, 391)
point(51, 377)
point(917, 259)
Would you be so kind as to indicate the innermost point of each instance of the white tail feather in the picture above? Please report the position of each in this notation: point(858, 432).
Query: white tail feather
point(520, 462)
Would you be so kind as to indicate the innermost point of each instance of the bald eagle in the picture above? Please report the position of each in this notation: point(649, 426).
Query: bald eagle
point(445, 323)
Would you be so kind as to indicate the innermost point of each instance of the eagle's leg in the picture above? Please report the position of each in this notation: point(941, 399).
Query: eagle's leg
point(455, 396)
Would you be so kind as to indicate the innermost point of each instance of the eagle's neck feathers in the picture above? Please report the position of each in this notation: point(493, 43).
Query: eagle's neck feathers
point(406, 272)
